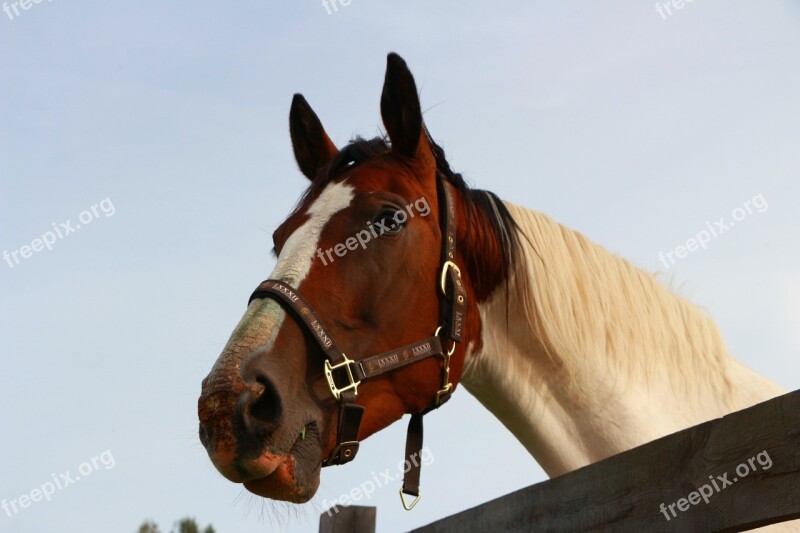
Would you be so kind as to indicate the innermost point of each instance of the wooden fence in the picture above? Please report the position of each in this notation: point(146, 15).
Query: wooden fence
point(730, 474)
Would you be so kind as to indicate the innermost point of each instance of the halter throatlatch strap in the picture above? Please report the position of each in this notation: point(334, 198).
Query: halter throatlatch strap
point(344, 375)
point(452, 312)
point(453, 300)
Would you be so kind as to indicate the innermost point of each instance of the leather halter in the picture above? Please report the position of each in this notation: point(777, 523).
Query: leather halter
point(351, 372)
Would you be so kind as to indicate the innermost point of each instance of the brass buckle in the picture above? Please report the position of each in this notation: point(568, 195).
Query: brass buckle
point(408, 506)
point(443, 276)
point(445, 390)
point(446, 385)
point(336, 391)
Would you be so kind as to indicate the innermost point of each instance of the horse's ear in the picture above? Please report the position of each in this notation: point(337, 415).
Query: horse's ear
point(401, 113)
point(312, 146)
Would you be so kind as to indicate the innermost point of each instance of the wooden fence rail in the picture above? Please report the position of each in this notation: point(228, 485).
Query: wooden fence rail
point(730, 474)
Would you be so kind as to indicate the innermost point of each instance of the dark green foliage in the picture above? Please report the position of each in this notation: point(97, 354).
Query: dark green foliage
point(185, 525)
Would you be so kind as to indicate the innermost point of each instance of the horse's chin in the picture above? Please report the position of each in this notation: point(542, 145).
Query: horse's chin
point(293, 480)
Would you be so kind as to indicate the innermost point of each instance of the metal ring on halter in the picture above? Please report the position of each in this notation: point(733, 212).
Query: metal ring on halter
point(408, 506)
point(452, 349)
point(443, 276)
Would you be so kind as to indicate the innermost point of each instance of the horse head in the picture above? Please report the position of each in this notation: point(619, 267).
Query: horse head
point(361, 319)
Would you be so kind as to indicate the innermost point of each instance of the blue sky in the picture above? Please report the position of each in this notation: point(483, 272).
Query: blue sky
point(634, 129)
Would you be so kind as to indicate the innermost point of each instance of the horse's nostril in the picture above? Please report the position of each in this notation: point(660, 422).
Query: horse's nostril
point(264, 411)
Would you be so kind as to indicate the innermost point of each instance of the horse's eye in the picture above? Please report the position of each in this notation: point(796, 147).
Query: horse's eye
point(389, 222)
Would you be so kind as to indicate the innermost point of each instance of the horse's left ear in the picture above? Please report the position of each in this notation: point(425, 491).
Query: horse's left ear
point(401, 113)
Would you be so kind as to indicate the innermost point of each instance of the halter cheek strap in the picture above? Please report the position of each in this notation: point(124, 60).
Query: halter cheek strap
point(344, 375)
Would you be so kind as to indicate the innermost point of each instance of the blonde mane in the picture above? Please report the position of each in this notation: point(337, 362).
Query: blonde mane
point(593, 311)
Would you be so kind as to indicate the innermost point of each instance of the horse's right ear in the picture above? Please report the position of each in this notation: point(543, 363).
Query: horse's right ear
point(313, 149)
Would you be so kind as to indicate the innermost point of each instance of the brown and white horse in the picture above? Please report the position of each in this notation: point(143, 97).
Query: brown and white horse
point(580, 354)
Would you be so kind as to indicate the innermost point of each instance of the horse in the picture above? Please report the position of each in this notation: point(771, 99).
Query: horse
point(395, 282)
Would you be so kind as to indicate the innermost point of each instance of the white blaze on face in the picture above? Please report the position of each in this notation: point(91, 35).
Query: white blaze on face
point(260, 324)
point(300, 249)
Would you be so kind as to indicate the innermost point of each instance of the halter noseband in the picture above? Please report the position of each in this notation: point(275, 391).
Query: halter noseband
point(340, 368)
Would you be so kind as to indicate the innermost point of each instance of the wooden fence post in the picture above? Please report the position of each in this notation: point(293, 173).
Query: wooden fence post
point(351, 519)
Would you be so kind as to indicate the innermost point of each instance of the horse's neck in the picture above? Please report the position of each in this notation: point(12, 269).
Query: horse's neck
point(572, 409)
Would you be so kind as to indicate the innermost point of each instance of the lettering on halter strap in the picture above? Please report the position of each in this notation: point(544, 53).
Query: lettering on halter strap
point(459, 323)
point(326, 341)
point(287, 292)
point(423, 348)
point(389, 360)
